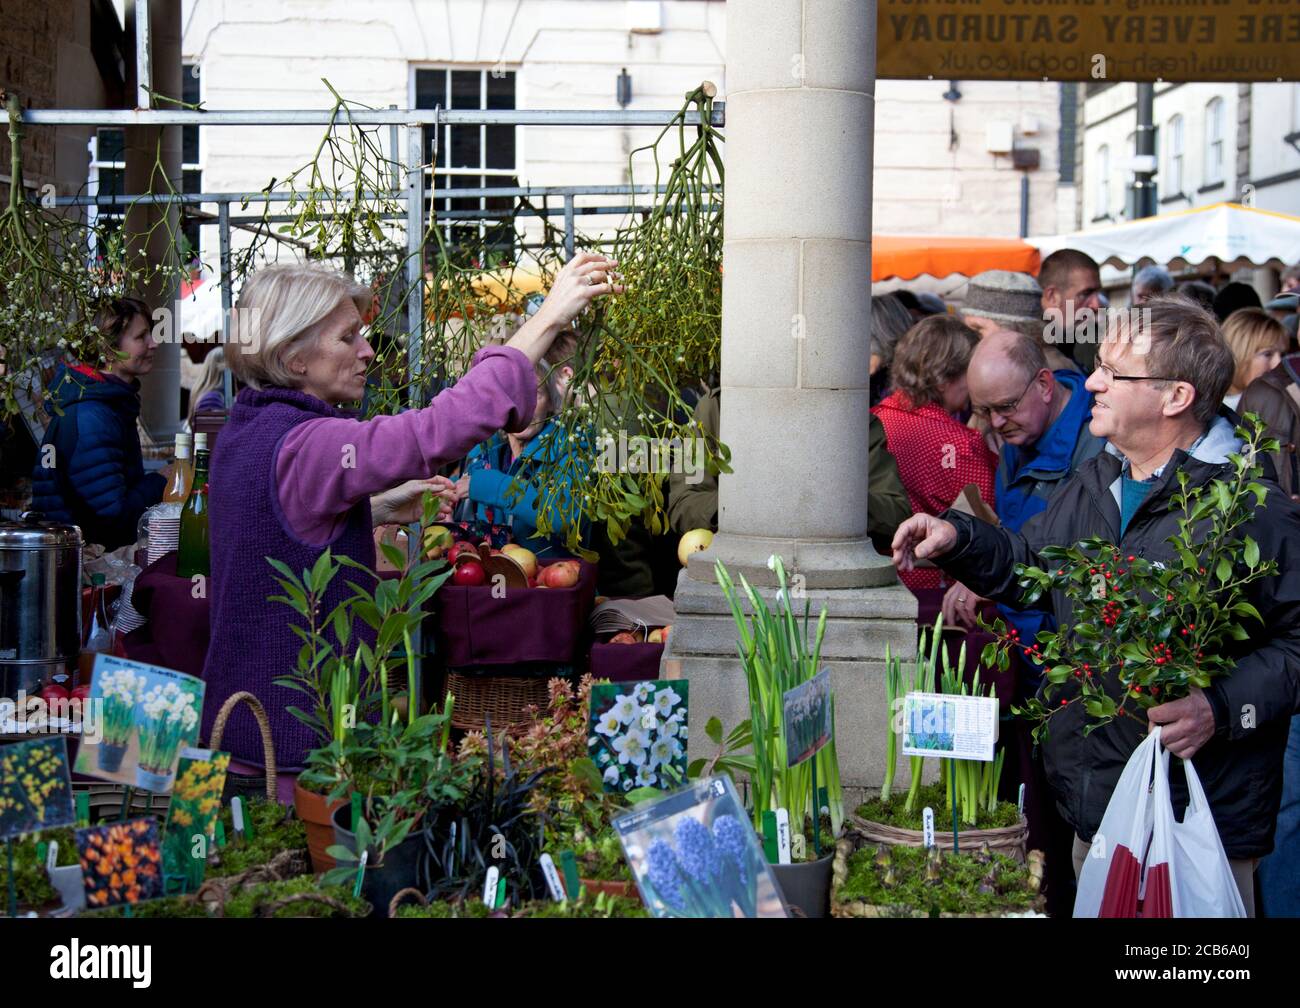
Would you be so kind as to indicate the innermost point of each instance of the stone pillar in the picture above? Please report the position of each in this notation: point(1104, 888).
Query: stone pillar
point(796, 281)
point(151, 231)
point(795, 400)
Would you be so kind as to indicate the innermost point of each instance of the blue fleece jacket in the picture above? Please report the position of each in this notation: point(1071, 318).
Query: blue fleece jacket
point(95, 474)
point(492, 474)
point(1028, 476)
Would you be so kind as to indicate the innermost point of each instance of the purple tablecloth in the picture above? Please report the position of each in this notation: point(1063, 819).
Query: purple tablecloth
point(625, 662)
point(176, 633)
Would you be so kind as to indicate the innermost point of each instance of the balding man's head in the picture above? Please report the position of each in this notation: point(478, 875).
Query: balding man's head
point(1011, 384)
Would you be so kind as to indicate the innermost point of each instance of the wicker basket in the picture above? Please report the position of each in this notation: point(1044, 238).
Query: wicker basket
point(853, 841)
point(504, 700)
point(264, 726)
point(1009, 840)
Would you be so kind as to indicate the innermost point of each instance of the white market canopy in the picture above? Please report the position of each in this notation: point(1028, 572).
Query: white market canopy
point(1235, 235)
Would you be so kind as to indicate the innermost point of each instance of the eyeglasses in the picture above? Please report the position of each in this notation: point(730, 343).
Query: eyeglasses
point(1110, 376)
point(1003, 409)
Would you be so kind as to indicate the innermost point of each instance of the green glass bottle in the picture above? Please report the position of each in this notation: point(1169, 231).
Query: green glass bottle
point(192, 554)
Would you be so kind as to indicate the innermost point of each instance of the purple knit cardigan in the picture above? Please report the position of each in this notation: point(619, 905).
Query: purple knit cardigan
point(251, 645)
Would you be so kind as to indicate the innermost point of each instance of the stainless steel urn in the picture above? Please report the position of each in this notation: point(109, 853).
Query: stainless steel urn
point(40, 602)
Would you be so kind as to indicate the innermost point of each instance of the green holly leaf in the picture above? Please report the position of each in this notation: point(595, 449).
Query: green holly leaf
point(1251, 552)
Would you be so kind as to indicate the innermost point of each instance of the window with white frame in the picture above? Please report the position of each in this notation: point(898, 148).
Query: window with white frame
point(1174, 157)
point(1102, 193)
point(471, 157)
point(1214, 141)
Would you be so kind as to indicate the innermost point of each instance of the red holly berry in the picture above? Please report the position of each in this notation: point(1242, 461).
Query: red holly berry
point(1078, 673)
point(1108, 575)
point(1155, 690)
point(1191, 626)
point(1184, 631)
point(1169, 598)
point(1063, 703)
point(1130, 559)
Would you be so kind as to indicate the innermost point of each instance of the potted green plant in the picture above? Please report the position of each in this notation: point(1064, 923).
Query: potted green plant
point(778, 655)
point(971, 786)
point(400, 775)
point(345, 676)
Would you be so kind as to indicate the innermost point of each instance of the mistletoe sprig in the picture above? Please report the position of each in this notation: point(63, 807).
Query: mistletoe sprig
point(1145, 632)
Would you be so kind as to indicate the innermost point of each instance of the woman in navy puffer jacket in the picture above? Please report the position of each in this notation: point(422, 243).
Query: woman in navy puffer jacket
point(90, 471)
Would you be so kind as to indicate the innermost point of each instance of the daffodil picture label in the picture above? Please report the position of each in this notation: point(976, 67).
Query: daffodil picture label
point(192, 814)
point(638, 733)
point(35, 786)
point(150, 714)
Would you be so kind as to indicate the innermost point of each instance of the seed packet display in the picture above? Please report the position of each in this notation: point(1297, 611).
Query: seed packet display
point(694, 853)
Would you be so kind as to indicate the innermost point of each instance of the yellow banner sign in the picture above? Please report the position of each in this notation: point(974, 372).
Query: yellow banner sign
point(1087, 40)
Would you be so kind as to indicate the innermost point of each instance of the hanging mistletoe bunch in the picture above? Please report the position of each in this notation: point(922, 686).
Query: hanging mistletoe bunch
point(1144, 632)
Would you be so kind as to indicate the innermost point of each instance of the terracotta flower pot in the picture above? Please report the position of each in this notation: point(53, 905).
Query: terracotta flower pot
point(317, 815)
point(625, 889)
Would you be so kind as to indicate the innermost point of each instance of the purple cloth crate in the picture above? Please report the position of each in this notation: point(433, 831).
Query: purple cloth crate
point(474, 628)
point(625, 662)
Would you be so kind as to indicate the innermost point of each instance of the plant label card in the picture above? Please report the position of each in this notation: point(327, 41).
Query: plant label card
point(121, 862)
point(637, 733)
point(191, 830)
point(956, 727)
point(694, 853)
point(807, 717)
point(35, 786)
point(142, 716)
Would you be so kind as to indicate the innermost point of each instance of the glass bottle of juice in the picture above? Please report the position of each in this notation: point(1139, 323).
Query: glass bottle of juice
point(192, 553)
point(178, 491)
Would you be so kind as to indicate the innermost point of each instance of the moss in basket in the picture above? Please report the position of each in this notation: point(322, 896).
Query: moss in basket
point(31, 881)
point(891, 811)
point(600, 905)
point(444, 909)
point(172, 906)
point(248, 902)
point(275, 829)
point(965, 883)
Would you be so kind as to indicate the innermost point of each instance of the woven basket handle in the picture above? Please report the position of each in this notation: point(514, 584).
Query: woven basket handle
point(263, 724)
point(400, 896)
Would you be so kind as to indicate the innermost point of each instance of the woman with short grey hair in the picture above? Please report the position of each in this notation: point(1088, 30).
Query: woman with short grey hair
point(294, 475)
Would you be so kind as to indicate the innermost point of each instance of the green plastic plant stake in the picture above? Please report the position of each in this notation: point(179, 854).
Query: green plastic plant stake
point(569, 865)
point(769, 837)
point(501, 894)
point(221, 833)
point(955, 848)
point(361, 874)
point(83, 808)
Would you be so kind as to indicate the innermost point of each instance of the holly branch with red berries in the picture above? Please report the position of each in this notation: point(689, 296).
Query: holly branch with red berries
point(1144, 632)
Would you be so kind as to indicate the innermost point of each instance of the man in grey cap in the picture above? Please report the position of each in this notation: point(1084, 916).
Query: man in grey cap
point(1001, 299)
point(1149, 282)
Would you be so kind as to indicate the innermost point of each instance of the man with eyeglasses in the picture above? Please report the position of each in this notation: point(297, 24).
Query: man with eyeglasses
point(1041, 417)
point(1157, 389)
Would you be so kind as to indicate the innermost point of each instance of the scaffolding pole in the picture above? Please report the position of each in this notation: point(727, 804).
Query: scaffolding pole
point(362, 117)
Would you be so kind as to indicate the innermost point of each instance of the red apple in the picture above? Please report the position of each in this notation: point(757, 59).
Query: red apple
point(624, 637)
point(81, 692)
point(564, 574)
point(525, 558)
point(469, 573)
point(53, 691)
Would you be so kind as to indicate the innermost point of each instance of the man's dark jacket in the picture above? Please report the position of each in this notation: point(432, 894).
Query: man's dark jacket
point(1241, 766)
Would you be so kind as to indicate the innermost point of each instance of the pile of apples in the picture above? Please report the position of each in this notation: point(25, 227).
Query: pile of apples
point(657, 635)
point(468, 565)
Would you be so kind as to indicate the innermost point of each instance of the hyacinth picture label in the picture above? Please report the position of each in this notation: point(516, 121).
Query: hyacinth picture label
point(694, 853)
point(149, 715)
point(637, 733)
point(806, 711)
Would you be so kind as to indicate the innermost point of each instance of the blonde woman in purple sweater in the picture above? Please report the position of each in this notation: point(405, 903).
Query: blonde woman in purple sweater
point(294, 475)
